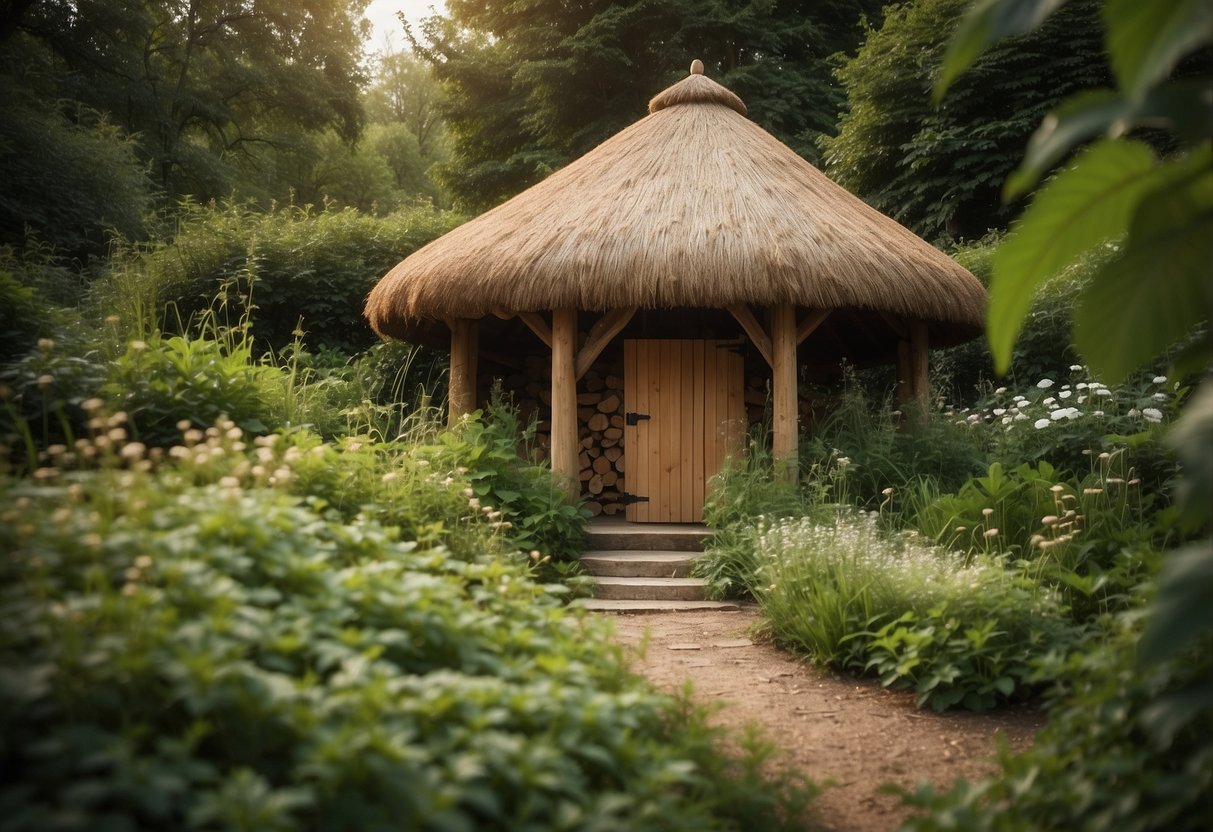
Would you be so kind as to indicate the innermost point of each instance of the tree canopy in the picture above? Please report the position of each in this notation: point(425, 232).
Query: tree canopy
point(530, 86)
point(939, 168)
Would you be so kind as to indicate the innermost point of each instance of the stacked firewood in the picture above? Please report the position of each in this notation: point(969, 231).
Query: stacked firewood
point(600, 423)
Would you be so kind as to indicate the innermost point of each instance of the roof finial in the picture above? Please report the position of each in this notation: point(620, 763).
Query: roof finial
point(697, 67)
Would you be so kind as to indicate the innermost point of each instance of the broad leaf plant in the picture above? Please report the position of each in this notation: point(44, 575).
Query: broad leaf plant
point(1157, 213)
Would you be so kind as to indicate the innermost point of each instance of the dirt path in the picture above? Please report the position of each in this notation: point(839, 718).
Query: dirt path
point(849, 732)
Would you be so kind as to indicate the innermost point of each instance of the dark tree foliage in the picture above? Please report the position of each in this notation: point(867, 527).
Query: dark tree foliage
point(531, 85)
point(68, 177)
point(205, 85)
point(940, 170)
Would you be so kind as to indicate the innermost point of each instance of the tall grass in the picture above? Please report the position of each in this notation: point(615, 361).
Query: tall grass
point(956, 630)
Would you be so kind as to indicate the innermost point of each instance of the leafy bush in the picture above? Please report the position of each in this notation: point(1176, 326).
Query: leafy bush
point(881, 454)
point(509, 486)
point(1068, 418)
point(164, 380)
point(44, 393)
point(185, 643)
point(744, 490)
point(1093, 539)
point(286, 270)
point(23, 319)
point(1124, 749)
point(72, 181)
point(955, 631)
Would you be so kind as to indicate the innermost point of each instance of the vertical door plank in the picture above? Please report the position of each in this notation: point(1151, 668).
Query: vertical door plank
point(686, 462)
point(711, 413)
point(699, 427)
point(631, 439)
point(666, 461)
point(648, 443)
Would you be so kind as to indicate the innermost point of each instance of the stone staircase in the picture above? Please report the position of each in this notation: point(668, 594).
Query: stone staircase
point(645, 567)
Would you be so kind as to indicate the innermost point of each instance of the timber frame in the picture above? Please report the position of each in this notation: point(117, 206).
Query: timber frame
point(777, 342)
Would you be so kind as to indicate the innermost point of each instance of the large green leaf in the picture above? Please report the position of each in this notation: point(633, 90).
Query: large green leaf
point(1147, 38)
point(1184, 108)
point(986, 22)
point(1090, 203)
point(1180, 613)
point(1159, 288)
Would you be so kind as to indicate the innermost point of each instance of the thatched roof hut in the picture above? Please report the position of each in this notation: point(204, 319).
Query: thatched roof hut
point(692, 206)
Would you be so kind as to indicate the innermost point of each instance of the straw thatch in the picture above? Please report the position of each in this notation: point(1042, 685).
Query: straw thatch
point(692, 206)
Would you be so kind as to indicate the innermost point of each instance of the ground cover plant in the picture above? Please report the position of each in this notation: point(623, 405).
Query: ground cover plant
point(953, 629)
point(223, 634)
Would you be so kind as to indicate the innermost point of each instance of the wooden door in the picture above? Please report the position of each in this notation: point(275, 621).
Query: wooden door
point(685, 412)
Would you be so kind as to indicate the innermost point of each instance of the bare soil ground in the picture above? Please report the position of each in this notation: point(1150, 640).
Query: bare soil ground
point(848, 733)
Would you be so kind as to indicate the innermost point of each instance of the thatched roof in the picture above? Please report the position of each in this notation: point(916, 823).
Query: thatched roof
point(692, 206)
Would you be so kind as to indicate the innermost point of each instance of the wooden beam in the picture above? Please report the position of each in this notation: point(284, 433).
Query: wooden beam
point(607, 327)
point(461, 389)
point(784, 395)
point(919, 363)
point(752, 328)
point(564, 400)
point(537, 325)
point(810, 323)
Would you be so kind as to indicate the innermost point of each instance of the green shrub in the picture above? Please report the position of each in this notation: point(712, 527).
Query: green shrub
point(165, 380)
point(1094, 539)
point(23, 319)
point(512, 489)
point(744, 490)
point(285, 270)
point(954, 631)
point(883, 452)
point(183, 643)
point(1125, 749)
point(44, 393)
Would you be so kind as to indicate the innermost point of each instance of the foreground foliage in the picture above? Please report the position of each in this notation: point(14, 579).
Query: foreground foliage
point(1122, 750)
point(199, 638)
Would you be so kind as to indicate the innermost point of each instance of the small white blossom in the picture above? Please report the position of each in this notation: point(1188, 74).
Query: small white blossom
point(1065, 394)
point(1152, 414)
point(1160, 379)
point(1074, 368)
point(1045, 383)
point(1041, 423)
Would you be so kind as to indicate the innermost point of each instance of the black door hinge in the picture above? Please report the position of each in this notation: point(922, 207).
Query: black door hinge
point(636, 418)
point(627, 499)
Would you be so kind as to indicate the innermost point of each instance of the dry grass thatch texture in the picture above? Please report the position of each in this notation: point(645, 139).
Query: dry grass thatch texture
point(693, 205)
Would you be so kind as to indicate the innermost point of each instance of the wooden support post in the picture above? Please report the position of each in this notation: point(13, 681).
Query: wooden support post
point(564, 399)
point(919, 385)
point(465, 348)
point(785, 398)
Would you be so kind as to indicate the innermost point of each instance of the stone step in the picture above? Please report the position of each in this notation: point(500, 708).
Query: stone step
point(649, 589)
point(651, 607)
point(619, 563)
point(669, 537)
